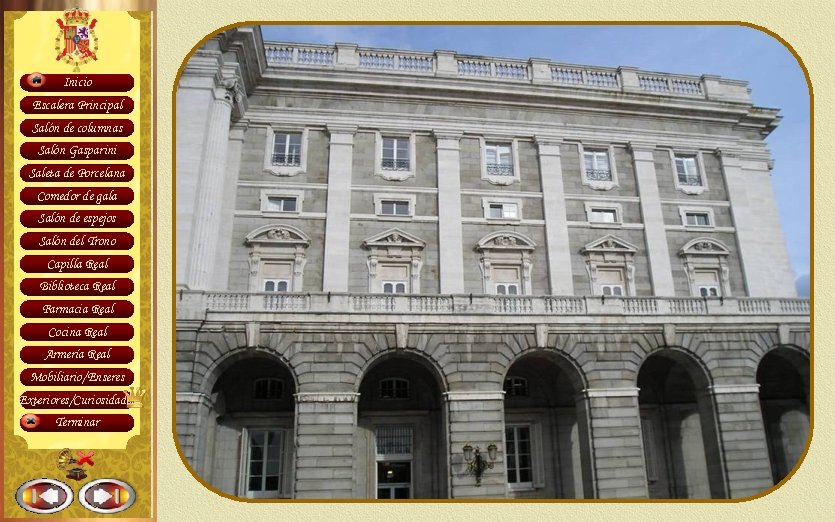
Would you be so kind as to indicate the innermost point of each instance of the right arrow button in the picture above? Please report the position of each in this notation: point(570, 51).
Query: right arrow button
point(107, 496)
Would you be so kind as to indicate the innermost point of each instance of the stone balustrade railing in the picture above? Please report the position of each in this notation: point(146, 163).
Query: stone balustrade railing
point(534, 71)
point(197, 302)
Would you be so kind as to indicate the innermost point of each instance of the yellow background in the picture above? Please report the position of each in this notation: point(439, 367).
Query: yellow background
point(117, 32)
point(808, 26)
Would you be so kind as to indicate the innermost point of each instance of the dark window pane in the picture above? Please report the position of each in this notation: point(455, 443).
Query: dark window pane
point(383, 493)
point(525, 475)
point(401, 492)
point(255, 483)
point(271, 483)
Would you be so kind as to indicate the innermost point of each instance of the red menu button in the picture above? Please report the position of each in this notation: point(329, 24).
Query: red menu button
point(107, 496)
point(44, 496)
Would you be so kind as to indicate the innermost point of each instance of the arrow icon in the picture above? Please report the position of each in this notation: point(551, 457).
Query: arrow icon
point(50, 495)
point(101, 496)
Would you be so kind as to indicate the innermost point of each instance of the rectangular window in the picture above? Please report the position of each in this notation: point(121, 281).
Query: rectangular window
point(506, 280)
point(699, 219)
point(394, 461)
point(611, 281)
point(394, 208)
point(707, 283)
point(688, 171)
point(287, 149)
point(499, 159)
point(518, 455)
point(394, 279)
point(281, 204)
point(603, 215)
point(277, 277)
point(503, 211)
point(264, 475)
point(395, 154)
point(597, 165)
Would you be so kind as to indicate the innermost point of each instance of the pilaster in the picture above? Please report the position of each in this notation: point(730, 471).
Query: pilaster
point(658, 251)
point(338, 224)
point(615, 440)
point(325, 424)
point(476, 418)
point(556, 224)
point(450, 236)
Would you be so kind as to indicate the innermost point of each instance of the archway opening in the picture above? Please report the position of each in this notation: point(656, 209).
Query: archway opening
point(678, 425)
point(251, 432)
point(400, 443)
point(783, 376)
point(544, 449)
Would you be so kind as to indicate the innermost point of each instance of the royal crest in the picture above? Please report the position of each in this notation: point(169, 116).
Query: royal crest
point(76, 34)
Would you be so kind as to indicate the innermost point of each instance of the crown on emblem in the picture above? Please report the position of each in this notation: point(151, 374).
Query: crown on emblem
point(134, 396)
point(76, 16)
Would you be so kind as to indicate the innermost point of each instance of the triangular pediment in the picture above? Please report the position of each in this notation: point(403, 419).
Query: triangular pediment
point(394, 237)
point(704, 246)
point(610, 243)
point(505, 240)
point(278, 234)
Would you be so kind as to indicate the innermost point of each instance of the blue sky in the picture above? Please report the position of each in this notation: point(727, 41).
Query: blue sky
point(775, 78)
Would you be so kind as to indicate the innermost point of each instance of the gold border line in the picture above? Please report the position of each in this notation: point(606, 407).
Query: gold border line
point(739, 500)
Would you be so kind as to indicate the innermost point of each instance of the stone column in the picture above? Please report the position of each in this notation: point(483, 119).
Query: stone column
point(210, 186)
point(450, 237)
point(762, 249)
point(743, 447)
point(556, 223)
point(192, 418)
point(616, 442)
point(476, 418)
point(325, 424)
point(223, 251)
point(658, 251)
point(338, 224)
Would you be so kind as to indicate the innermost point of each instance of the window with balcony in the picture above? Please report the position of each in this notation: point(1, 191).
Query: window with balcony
point(597, 166)
point(689, 172)
point(395, 155)
point(286, 153)
point(499, 161)
point(394, 278)
point(277, 277)
point(287, 149)
point(707, 283)
point(611, 281)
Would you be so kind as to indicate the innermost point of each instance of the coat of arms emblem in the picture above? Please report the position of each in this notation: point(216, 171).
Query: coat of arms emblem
point(78, 38)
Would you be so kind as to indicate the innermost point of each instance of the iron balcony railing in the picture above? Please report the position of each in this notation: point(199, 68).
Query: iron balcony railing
point(599, 174)
point(499, 169)
point(395, 164)
point(287, 160)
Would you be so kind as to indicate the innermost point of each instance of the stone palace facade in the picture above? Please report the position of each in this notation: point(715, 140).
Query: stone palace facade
point(428, 275)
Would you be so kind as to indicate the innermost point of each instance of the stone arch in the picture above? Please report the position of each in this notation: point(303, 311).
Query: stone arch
point(679, 425)
point(421, 357)
point(547, 454)
point(399, 438)
point(235, 355)
point(783, 377)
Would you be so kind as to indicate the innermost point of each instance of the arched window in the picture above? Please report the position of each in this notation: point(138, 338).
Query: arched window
point(394, 388)
point(268, 388)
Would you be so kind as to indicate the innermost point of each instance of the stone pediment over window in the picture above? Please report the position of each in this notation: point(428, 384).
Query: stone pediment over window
point(704, 246)
point(277, 235)
point(610, 266)
point(395, 260)
point(278, 255)
point(506, 241)
point(706, 258)
point(610, 244)
point(394, 238)
point(506, 263)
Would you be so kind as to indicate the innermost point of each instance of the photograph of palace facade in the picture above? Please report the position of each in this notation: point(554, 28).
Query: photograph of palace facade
point(407, 274)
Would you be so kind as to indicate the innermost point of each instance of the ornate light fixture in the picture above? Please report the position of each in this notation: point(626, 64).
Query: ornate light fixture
point(476, 463)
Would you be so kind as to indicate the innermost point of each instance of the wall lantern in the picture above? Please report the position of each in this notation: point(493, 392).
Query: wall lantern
point(476, 463)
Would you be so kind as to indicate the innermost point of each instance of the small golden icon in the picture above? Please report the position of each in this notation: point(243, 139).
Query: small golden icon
point(134, 397)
